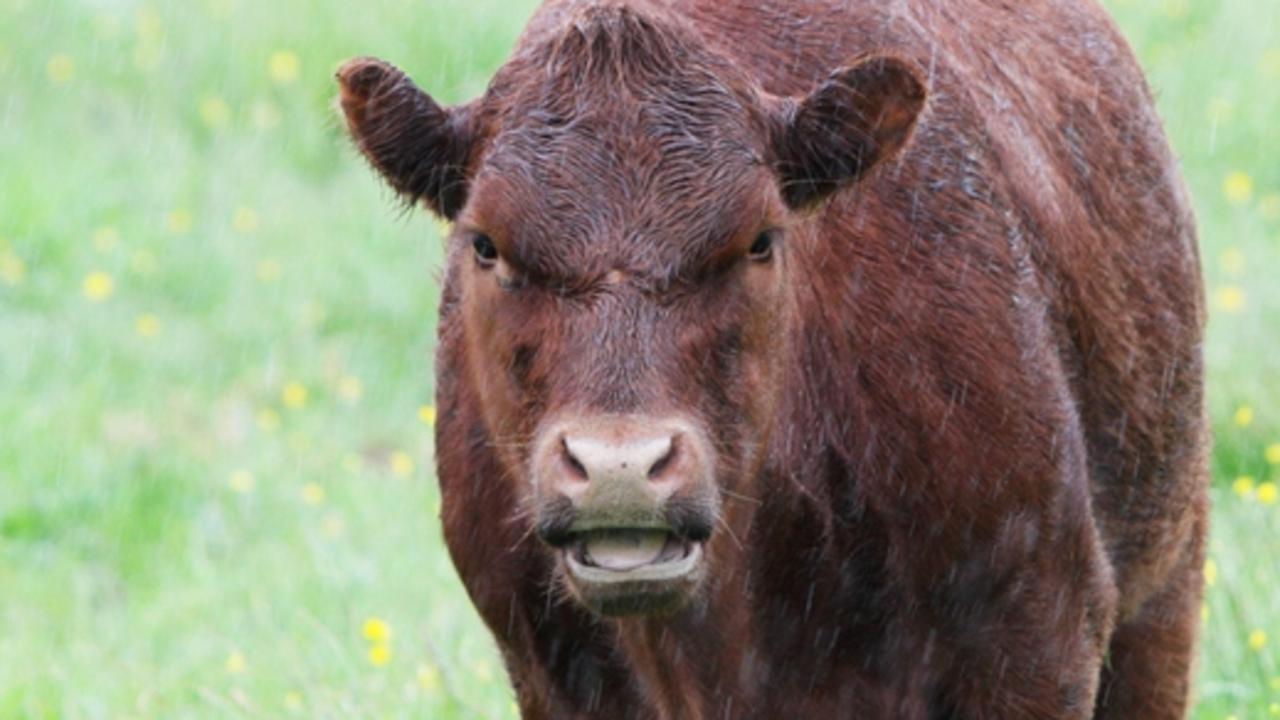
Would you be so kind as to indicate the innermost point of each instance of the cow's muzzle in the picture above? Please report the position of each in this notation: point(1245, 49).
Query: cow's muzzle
point(628, 503)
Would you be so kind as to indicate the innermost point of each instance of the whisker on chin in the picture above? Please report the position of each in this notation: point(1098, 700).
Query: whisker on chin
point(524, 537)
point(725, 524)
point(524, 514)
point(744, 498)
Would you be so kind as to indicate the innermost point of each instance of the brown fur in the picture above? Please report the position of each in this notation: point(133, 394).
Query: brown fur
point(958, 417)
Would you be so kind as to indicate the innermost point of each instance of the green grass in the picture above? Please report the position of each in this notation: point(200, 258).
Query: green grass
point(188, 151)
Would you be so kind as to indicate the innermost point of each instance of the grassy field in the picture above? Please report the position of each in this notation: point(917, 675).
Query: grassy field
point(215, 335)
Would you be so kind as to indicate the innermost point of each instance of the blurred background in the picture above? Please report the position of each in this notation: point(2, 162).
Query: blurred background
point(216, 495)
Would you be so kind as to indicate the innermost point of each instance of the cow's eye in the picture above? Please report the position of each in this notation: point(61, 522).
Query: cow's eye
point(762, 249)
point(486, 251)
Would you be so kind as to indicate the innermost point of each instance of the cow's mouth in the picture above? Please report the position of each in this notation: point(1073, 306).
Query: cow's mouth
point(622, 553)
point(632, 571)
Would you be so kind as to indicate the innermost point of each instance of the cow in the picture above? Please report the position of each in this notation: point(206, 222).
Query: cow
point(815, 359)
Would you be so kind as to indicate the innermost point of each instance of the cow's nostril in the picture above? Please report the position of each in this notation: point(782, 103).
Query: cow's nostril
point(664, 462)
point(575, 466)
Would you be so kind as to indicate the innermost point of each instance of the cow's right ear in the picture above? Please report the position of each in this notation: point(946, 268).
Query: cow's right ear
point(860, 116)
point(420, 148)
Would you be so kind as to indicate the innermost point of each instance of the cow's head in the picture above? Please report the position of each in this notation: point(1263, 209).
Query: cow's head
point(622, 200)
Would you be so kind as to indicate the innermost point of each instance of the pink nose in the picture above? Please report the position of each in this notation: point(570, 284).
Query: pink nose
point(622, 471)
point(603, 461)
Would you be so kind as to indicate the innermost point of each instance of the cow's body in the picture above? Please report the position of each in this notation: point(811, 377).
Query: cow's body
point(987, 466)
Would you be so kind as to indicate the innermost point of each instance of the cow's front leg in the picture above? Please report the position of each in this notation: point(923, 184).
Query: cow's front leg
point(1028, 642)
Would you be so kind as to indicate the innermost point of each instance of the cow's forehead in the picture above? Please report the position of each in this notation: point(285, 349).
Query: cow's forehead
point(622, 141)
point(623, 154)
point(622, 183)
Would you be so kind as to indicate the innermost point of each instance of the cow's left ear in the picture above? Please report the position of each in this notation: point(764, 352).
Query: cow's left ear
point(858, 117)
point(420, 148)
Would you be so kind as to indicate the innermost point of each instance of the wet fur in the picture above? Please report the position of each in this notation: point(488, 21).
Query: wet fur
point(960, 420)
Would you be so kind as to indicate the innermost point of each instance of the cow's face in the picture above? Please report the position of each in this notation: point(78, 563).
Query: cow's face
point(622, 294)
point(620, 253)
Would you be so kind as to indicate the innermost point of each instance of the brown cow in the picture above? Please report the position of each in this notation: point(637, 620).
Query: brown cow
point(815, 359)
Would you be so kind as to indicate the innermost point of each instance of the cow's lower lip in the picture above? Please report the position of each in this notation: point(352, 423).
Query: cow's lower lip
point(634, 571)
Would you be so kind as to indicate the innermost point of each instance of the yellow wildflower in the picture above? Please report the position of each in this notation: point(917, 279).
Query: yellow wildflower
point(1269, 206)
point(265, 115)
point(1243, 486)
point(1243, 416)
point(235, 662)
point(351, 463)
point(1238, 188)
point(1270, 64)
point(284, 66)
point(98, 286)
point(1204, 612)
point(1267, 493)
point(268, 420)
point(350, 389)
point(1257, 640)
point(244, 221)
point(313, 313)
point(106, 26)
point(179, 221)
point(1230, 299)
point(292, 701)
point(1210, 572)
point(214, 112)
point(379, 654)
point(12, 269)
point(1174, 9)
point(1272, 453)
point(427, 414)
point(241, 481)
point(299, 442)
point(147, 55)
point(147, 325)
point(428, 678)
point(376, 630)
point(401, 464)
point(105, 239)
point(1232, 261)
point(312, 494)
point(147, 24)
point(483, 672)
point(60, 68)
point(1221, 110)
point(143, 263)
point(294, 395)
point(268, 270)
point(333, 526)
point(220, 9)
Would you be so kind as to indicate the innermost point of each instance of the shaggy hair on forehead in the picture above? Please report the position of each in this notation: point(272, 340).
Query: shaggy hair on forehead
point(621, 100)
point(620, 53)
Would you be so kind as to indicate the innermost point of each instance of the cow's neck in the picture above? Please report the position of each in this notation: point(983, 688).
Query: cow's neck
point(797, 543)
point(694, 666)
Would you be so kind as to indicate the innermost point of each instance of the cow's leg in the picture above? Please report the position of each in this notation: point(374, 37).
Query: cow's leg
point(1056, 679)
point(1032, 647)
point(1148, 669)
